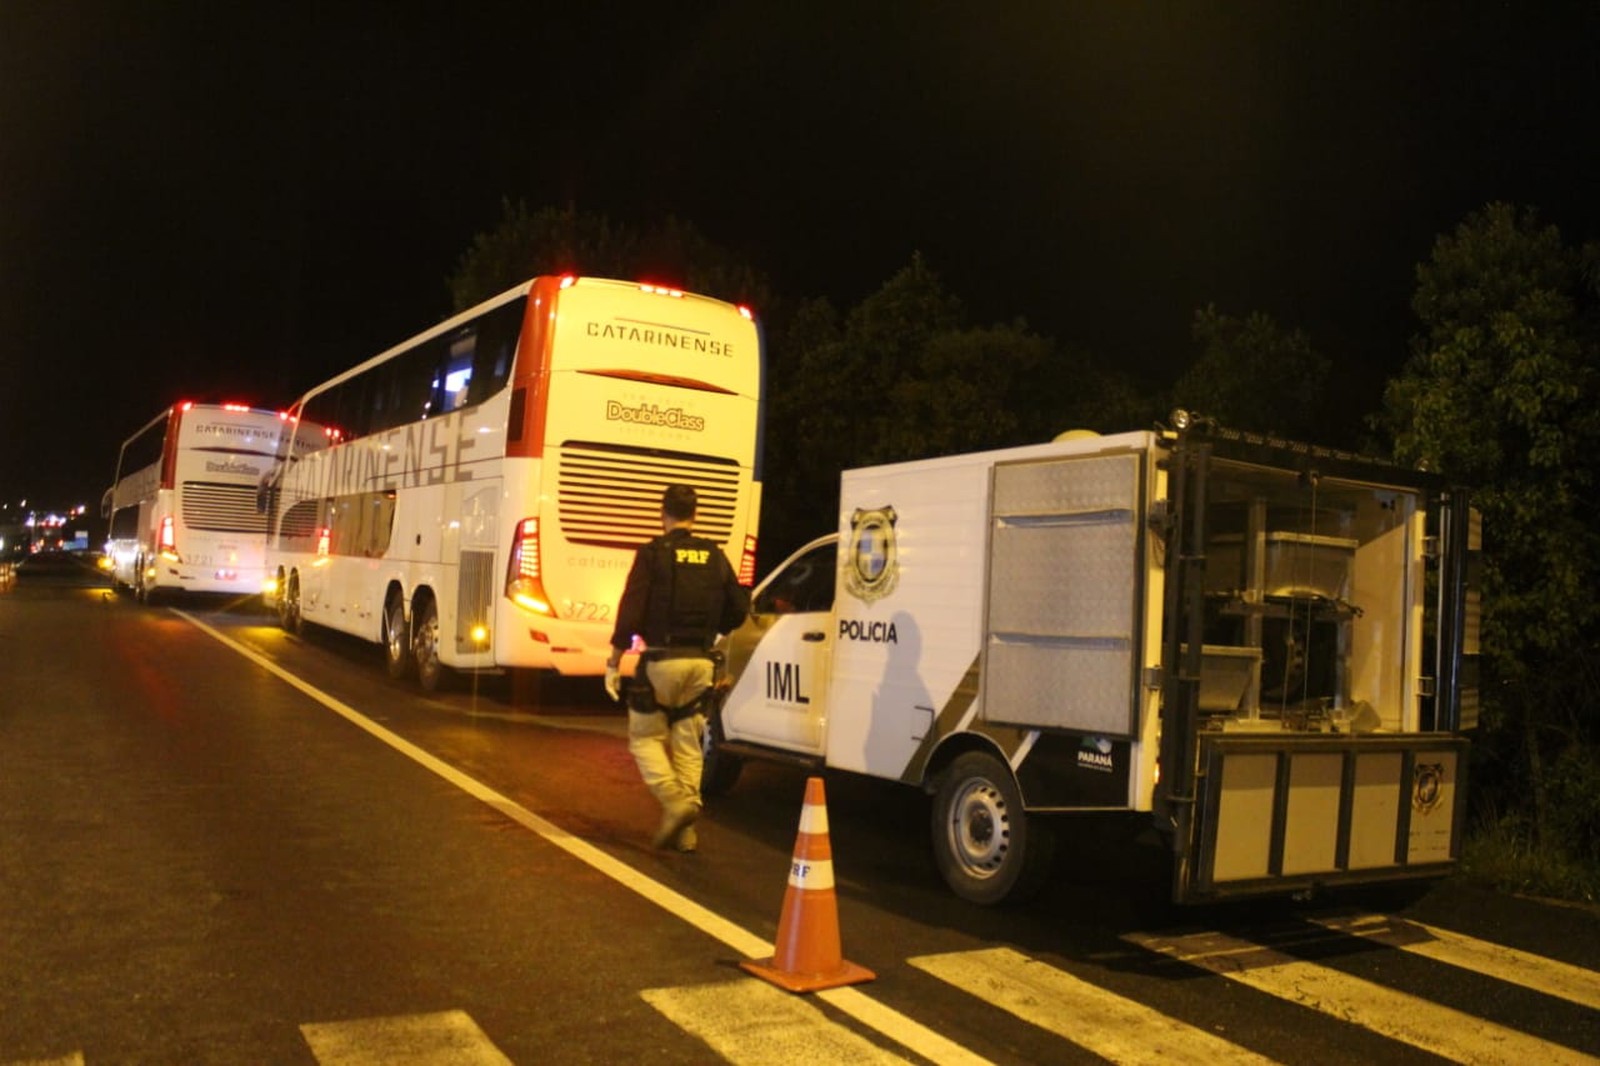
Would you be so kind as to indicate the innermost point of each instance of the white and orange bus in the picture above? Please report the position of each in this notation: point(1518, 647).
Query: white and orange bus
point(479, 489)
point(182, 507)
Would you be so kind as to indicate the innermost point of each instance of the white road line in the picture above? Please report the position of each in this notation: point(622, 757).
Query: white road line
point(449, 1038)
point(752, 1023)
point(1437, 1029)
point(898, 1027)
point(1114, 1027)
point(1550, 976)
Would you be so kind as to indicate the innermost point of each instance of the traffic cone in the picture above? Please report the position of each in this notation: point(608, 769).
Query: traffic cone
point(808, 957)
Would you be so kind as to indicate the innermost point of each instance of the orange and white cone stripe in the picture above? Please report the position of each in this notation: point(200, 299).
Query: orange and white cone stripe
point(807, 956)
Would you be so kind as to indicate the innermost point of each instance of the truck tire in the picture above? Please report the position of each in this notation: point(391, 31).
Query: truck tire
point(987, 848)
point(719, 768)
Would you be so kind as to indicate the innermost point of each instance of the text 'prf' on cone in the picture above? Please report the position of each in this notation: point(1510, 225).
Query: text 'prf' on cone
point(807, 957)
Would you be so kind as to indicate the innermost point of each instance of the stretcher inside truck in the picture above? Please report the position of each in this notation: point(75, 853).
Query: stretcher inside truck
point(1267, 647)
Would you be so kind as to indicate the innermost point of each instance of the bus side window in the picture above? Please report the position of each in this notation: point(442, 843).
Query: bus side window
point(413, 384)
point(496, 343)
point(310, 435)
point(455, 377)
point(125, 523)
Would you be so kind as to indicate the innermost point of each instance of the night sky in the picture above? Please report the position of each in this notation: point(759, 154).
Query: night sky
point(237, 201)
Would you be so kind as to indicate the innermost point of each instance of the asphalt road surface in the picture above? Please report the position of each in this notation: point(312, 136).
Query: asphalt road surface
point(221, 844)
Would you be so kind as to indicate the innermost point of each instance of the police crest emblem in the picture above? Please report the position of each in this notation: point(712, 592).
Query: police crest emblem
point(1427, 787)
point(871, 566)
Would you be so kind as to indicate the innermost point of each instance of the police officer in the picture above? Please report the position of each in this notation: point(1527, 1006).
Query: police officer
point(680, 594)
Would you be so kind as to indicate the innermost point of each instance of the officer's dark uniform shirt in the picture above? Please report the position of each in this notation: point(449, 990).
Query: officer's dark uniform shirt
point(680, 594)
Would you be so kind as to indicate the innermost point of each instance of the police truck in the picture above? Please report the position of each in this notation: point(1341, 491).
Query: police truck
point(1268, 648)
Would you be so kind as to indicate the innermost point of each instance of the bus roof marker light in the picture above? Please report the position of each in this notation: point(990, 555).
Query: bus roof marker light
point(568, 280)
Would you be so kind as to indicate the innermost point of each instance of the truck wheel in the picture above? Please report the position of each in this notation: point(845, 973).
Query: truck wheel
point(425, 646)
point(289, 606)
point(986, 847)
point(396, 638)
point(719, 768)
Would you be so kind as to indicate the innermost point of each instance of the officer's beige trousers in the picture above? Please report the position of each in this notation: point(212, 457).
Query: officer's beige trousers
point(669, 756)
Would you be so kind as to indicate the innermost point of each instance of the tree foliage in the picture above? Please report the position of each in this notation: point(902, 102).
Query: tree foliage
point(555, 240)
point(1254, 374)
point(902, 376)
point(1500, 394)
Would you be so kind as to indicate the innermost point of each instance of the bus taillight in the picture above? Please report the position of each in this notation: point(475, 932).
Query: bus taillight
point(523, 584)
point(167, 542)
point(747, 562)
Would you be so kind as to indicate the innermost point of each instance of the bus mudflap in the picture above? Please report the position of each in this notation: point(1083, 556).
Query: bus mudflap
point(1291, 813)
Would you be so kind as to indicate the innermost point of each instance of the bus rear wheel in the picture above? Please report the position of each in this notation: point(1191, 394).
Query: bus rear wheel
point(141, 583)
point(425, 645)
point(396, 638)
point(289, 606)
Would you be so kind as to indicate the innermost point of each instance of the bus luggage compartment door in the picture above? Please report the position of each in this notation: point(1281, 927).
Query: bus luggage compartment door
point(1288, 813)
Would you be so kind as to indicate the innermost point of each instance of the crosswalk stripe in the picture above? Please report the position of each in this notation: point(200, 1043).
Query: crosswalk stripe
point(1114, 1027)
point(1434, 1028)
point(931, 1045)
point(751, 1023)
point(1550, 976)
point(448, 1038)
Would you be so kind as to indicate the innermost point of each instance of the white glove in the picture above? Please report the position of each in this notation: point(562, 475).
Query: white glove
point(613, 683)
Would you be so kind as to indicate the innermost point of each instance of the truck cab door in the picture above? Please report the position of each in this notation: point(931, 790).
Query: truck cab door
point(778, 660)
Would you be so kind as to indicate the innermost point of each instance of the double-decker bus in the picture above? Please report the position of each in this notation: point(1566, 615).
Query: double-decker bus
point(182, 507)
point(476, 493)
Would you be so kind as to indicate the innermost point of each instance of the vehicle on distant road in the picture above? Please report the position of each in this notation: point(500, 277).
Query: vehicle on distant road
point(182, 507)
point(60, 565)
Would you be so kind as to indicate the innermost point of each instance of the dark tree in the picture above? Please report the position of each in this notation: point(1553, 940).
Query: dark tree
point(1254, 374)
point(553, 240)
point(1501, 394)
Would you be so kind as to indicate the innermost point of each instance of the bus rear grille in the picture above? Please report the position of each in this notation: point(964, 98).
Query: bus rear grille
point(611, 497)
point(222, 508)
